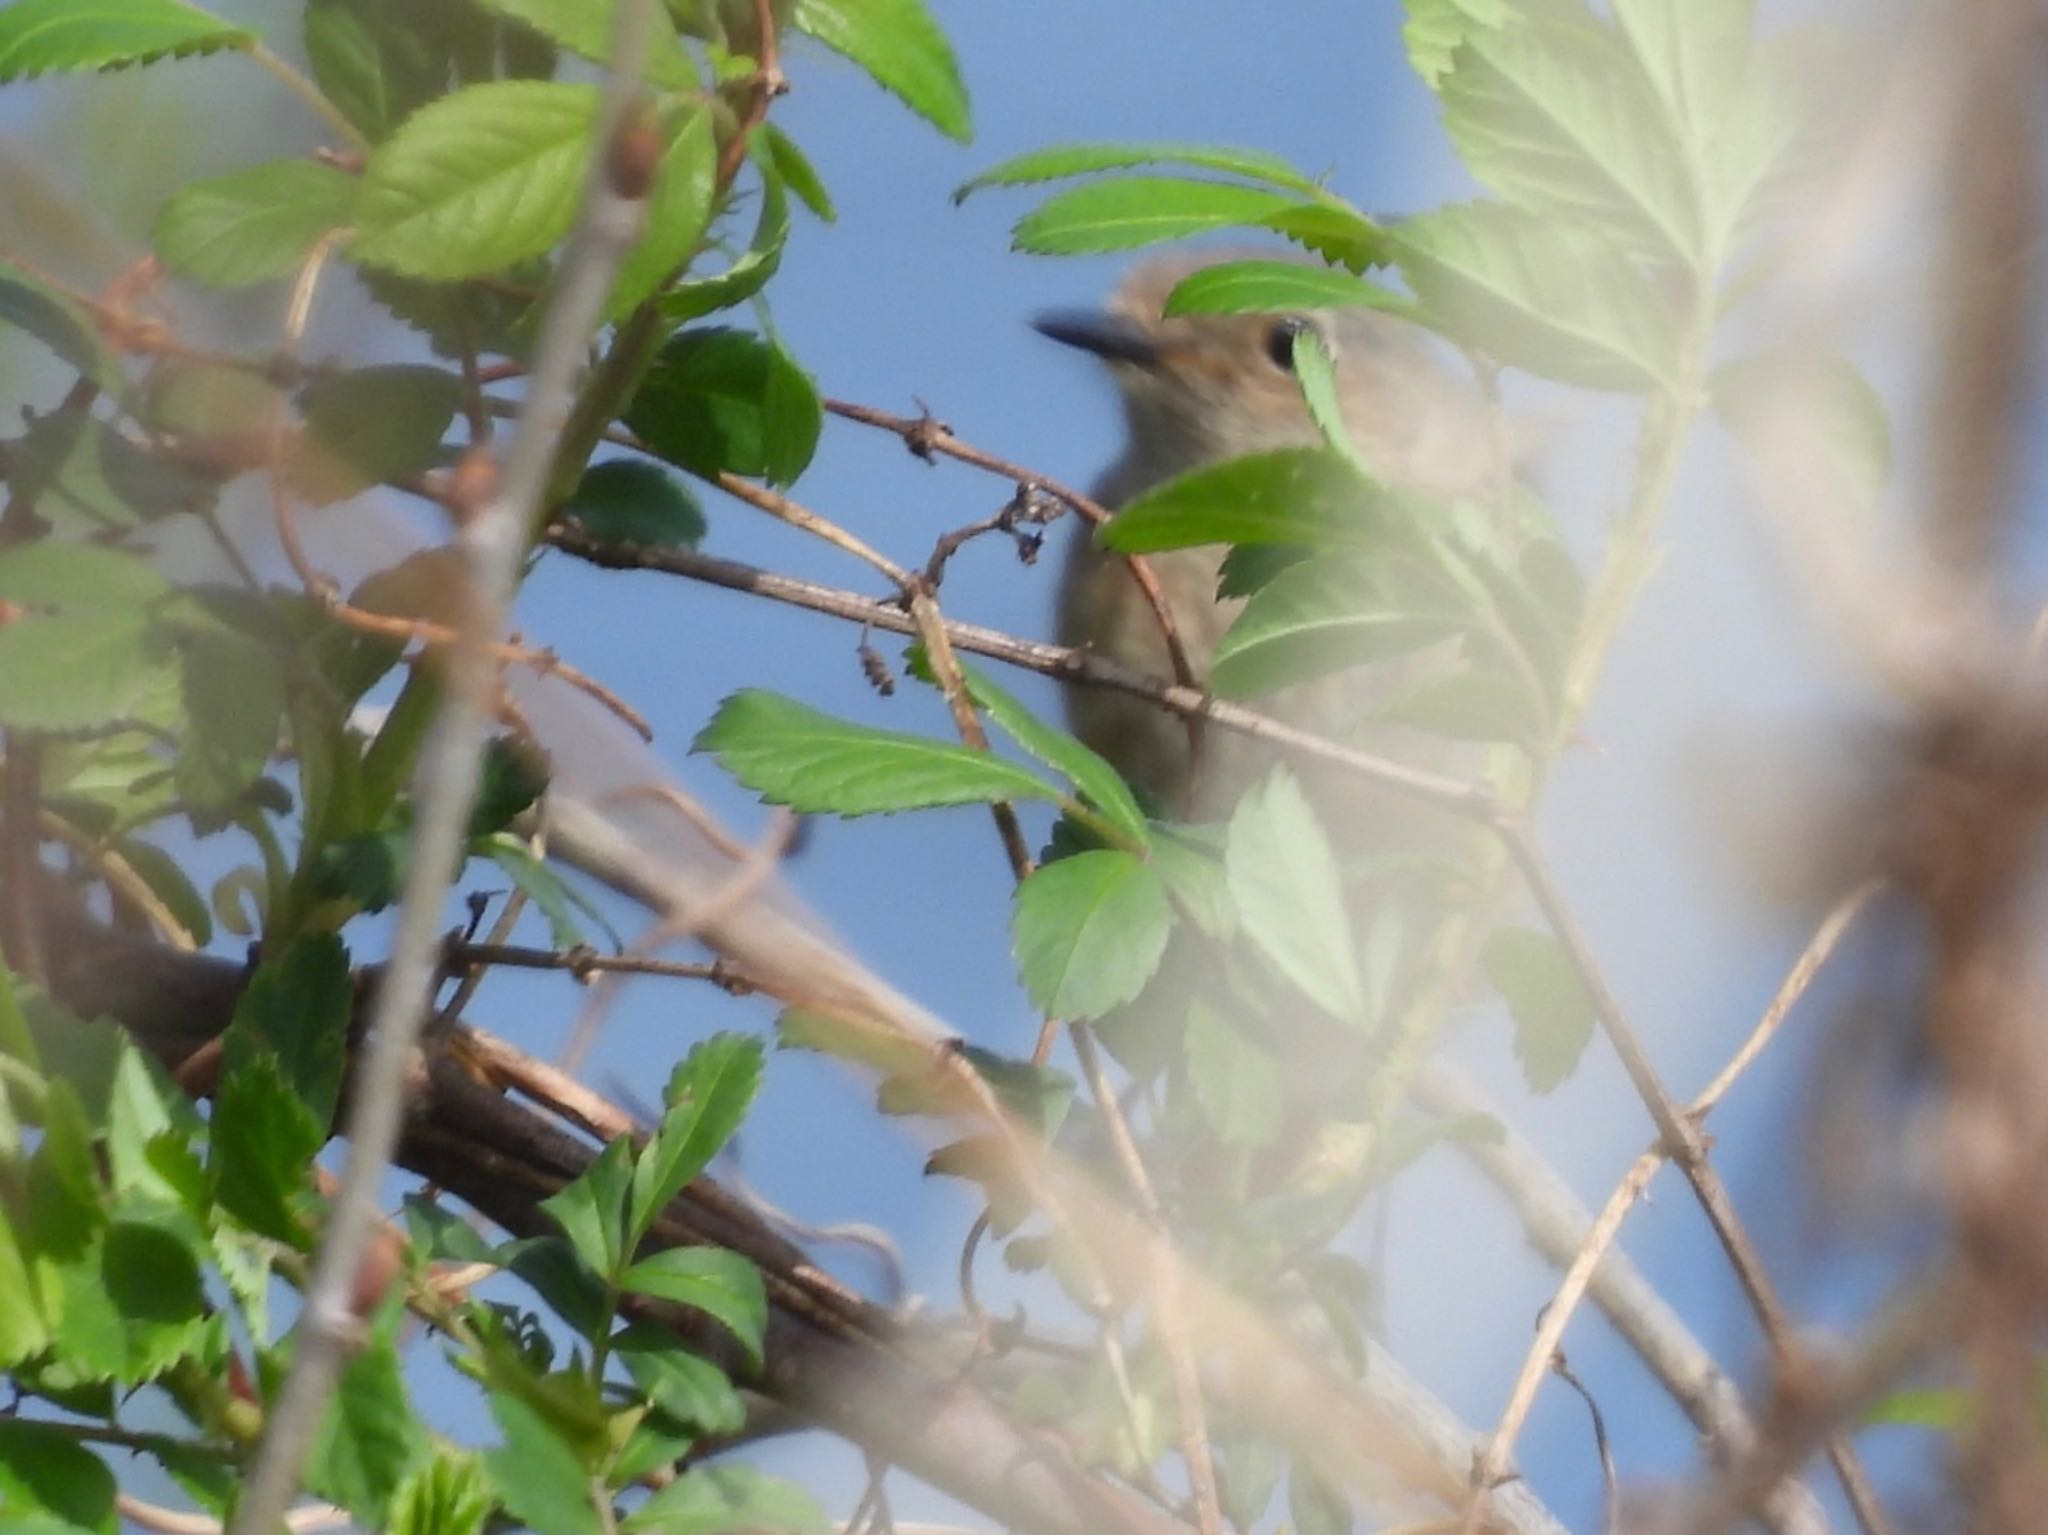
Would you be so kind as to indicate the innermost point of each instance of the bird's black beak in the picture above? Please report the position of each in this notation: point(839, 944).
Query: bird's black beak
point(1110, 337)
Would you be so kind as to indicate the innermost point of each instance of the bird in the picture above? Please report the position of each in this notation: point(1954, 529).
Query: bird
point(1196, 390)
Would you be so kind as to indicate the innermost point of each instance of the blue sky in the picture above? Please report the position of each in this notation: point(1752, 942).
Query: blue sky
point(909, 298)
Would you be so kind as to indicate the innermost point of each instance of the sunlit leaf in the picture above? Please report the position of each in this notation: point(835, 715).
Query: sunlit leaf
point(39, 36)
point(1089, 931)
point(899, 44)
point(254, 225)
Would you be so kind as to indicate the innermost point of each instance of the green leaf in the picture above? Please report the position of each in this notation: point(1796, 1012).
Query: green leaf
point(796, 172)
point(539, 1478)
point(718, 399)
point(369, 425)
point(41, 36)
point(445, 1495)
point(724, 1500)
point(790, 754)
point(1089, 931)
point(1327, 615)
point(151, 1280)
point(1695, 54)
point(1948, 1408)
point(477, 180)
point(251, 226)
point(1536, 295)
point(1286, 496)
point(514, 777)
point(708, 1095)
point(1547, 998)
point(630, 501)
point(85, 477)
point(370, 1439)
point(695, 297)
point(43, 1470)
point(296, 1009)
point(56, 573)
point(557, 900)
point(1316, 1507)
point(586, 29)
point(1060, 161)
point(1237, 1083)
point(1277, 287)
point(1814, 409)
point(27, 303)
point(1340, 235)
point(901, 47)
point(234, 696)
point(1283, 878)
point(1132, 211)
point(591, 1209)
point(1552, 112)
point(263, 1142)
point(1315, 370)
point(1435, 29)
point(24, 1332)
point(678, 211)
point(1089, 772)
point(1469, 706)
point(721, 1284)
point(75, 670)
point(692, 1390)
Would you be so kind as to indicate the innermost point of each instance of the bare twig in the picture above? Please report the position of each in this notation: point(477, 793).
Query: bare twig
point(449, 769)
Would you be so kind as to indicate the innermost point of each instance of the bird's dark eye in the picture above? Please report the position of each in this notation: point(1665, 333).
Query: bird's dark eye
point(1280, 341)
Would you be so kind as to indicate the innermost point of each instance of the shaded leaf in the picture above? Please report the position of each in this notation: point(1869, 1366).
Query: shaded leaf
point(45, 1471)
point(724, 1499)
point(254, 225)
point(1307, 496)
point(369, 425)
point(1547, 998)
point(586, 30)
point(678, 210)
point(1283, 879)
point(1237, 1083)
point(707, 1097)
point(539, 1479)
point(630, 501)
point(1277, 287)
point(719, 399)
point(690, 1389)
point(1089, 931)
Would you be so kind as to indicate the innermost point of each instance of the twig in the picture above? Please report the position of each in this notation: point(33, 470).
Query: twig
point(938, 646)
point(584, 961)
point(1682, 1142)
point(925, 435)
point(1473, 801)
point(450, 767)
point(768, 83)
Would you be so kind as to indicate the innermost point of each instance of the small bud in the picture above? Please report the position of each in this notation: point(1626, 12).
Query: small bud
point(635, 154)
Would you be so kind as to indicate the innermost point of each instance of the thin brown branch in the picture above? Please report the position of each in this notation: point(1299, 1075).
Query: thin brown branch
point(1682, 1141)
point(938, 646)
point(767, 83)
point(584, 961)
point(1473, 801)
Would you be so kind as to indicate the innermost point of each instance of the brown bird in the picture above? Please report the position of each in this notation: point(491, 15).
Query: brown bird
point(1198, 389)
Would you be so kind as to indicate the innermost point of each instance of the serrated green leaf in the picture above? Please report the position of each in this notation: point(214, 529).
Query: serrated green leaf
point(1237, 1083)
point(369, 1440)
point(692, 1390)
point(1547, 998)
point(1290, 901)
point(591, 1209)
point(721, 1284)
point(791, 754)
point(254, 225)
point(586, 30)
point(630, 501)
point(61, 574)
point(44, 1471)
point(445, 1495)
point(482, 178)
point(1133, 211)
point(1089, 931)
point(296, 1010)
point(23, 1331)
point(1338, 234)
point(1435, 28)
point(1695, 53)
point(262, 1143)
point(694, 297)
point(718, 400)
point(1305, 496)
point(369, 425)
point(1552, 112)
point(539, 1478)
point(723, 1500)
point(707, 1097)
point(1278, 287)
point(796, 172)
point(1315, 370)
point(75, 670)
point(1060, 161)
point(233, 690)
point(1537, 296)
point(41, 36)
point(901, 47)
point(1328, 615)
point(678, 211)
